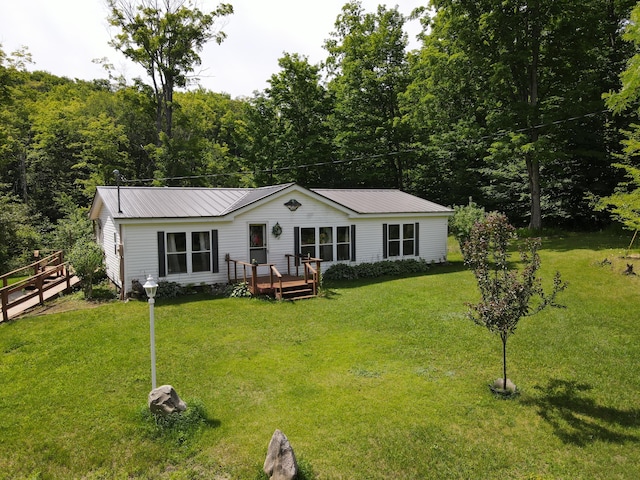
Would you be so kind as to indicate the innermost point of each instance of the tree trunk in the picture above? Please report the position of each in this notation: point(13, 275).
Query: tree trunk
point(504, 360)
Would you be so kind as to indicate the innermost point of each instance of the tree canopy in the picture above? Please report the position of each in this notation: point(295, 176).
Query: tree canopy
point(501, 101)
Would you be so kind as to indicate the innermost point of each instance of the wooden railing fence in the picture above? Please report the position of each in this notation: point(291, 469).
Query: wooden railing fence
point(47, 273)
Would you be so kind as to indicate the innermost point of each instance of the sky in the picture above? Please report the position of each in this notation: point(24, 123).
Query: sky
point(64, 36)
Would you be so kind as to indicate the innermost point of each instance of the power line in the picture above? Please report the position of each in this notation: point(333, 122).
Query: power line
point(498, 134)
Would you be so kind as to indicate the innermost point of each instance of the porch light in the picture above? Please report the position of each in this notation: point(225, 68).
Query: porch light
point(150, 287)
point(293, 204)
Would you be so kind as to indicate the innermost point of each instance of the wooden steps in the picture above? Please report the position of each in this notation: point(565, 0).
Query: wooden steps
point(293, 288)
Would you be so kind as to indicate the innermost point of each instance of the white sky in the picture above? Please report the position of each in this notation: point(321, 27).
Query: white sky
point(64, 36)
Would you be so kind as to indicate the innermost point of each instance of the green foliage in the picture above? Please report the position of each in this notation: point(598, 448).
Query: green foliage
point(463, 220)
point(87, 258)
point(237, 290)
point(165, 39)
point(18, 238)
point(492, 90)
point(507, 295)
point(344, 271)
point(288, 125)
point(368, 71)
point(74, 226)
point(168, 289)
point(624, 203)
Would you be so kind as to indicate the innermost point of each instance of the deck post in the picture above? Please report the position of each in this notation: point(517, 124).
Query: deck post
point(5, 302)
point(39, 285)
point(68, 275)
point(254, 278)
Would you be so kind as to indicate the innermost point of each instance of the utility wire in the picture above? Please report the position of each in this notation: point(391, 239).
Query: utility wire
point(498, 134)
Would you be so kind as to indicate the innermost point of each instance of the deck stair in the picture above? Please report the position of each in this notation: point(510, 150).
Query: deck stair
point(289, 286)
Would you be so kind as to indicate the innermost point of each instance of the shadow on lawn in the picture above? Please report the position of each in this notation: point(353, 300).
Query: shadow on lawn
point(605, 240)
point(578, 419)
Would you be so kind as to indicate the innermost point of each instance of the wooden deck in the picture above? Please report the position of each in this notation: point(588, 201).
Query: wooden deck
point(49, 277)
point(34, 301)
point(281, 286)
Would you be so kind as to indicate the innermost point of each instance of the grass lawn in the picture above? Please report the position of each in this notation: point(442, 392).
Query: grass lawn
point(382, 379)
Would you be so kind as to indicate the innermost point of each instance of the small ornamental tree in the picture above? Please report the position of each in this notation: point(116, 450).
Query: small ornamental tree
point(508, 294)
point(86, 257)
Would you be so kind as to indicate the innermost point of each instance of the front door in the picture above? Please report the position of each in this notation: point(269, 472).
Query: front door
point(258, 243)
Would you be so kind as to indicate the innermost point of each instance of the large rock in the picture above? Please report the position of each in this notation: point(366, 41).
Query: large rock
point(280, 463)
point(165, 401)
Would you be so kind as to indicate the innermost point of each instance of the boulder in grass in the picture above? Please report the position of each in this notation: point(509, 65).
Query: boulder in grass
point(280, 463)
point(164, 400)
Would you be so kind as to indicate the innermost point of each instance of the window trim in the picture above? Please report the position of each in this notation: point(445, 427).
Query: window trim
point(163, 260)
point(386, 240)
point(317, 246)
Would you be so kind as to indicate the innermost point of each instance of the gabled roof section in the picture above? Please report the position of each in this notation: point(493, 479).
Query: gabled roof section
point(379, 201)
point(178, 202)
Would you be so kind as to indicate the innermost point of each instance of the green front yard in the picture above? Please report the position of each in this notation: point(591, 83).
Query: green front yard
point(379, 380)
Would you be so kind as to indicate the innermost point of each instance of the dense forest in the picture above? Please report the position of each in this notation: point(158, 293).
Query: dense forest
point(504, 102)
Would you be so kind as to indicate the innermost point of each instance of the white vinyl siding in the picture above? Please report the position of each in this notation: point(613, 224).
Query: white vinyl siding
point(140, 237)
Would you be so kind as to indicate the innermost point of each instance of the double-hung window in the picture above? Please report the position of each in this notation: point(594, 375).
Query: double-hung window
point(308, 242)
point(327, 243)
point(401, 239)
point(200, 251)
point(188, 253)
point(176, 253)
point(343, 244)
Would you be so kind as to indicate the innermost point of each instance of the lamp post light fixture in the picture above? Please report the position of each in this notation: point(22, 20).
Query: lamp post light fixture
point(151, 287)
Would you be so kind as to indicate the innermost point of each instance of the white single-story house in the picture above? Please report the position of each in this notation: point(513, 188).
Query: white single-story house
point(187, 235)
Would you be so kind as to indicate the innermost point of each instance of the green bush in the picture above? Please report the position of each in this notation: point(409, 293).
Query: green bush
point(463, 220)
point(169, 289)
point(343, 271)
point(340, 271)
point(238, 290)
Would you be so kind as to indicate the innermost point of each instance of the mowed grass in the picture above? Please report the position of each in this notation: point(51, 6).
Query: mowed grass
point(383, 379)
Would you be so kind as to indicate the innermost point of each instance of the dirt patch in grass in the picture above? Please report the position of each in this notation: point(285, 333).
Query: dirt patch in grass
point(63, 304)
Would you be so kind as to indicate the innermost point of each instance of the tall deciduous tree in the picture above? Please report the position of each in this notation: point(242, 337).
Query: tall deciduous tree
point(288, 126)
point(368, 70)
point(518, 70)
point(165, 38)
point(624, 203)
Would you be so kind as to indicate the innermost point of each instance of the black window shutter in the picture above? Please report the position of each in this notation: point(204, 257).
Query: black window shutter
point(353, 243)
point(214, 251)
point(384, 240)
point(162, 261)
point(296, 245)
point(416, 240)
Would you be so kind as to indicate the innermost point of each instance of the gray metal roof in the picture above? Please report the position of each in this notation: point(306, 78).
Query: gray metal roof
point(177, 202)
point(380, 201)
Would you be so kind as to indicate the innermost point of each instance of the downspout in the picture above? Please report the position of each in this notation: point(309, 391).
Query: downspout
point(121, 262)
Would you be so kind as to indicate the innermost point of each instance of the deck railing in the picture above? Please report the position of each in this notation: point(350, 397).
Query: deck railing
point(311, 272)
point(274, 274)
point(46, 268)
